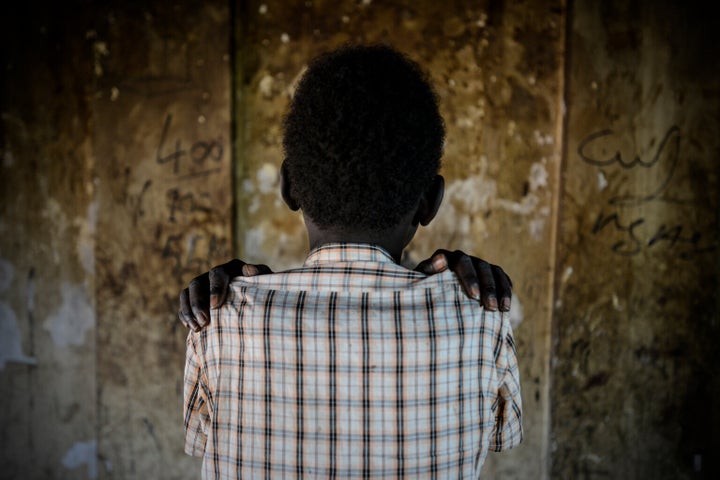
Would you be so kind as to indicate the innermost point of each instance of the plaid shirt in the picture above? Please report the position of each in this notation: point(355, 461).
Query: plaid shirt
point(350, 367)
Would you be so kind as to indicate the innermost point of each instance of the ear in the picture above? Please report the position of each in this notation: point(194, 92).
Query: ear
point(285, 189)
point(430, 201)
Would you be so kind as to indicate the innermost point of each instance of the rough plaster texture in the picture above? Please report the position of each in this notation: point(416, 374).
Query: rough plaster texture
point(162, 145)
point(635, 391)
point(47, 366)
point(115, 171)
point(116, 191)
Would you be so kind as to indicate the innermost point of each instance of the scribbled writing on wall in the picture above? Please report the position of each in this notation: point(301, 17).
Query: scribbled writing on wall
point(183, 233)
point(621, 212)
point(190, 252)
point(181, 202)
point(171, 71)
point(203, 158)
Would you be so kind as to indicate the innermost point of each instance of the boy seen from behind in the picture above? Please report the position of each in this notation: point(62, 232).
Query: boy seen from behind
point(353, 366)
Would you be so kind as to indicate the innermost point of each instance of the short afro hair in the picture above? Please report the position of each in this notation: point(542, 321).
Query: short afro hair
point(363, 138)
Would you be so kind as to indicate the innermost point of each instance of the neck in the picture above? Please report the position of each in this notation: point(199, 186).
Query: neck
point(393, 240)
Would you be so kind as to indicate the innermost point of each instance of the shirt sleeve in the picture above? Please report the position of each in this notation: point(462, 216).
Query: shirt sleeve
point(195, 407)
point(507, 408)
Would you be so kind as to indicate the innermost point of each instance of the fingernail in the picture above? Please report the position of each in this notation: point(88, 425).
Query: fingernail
point(439, 263)
point(492, 303)
point(475, 291)
point(505, 304)
point(214, 300)
point(249, 270)
point(203, 320)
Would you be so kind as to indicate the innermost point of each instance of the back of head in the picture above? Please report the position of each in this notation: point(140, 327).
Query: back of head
point(363, 138)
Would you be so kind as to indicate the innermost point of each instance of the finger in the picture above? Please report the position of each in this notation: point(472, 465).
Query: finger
point(504, 287)
point(181, 314)
point(219, 279)
point(253, 270)
point(465, 271)
point(199, 293)
point(249, 270)
point(185, 312)
point(263, 269)
point(437, 263)
point(487, 285)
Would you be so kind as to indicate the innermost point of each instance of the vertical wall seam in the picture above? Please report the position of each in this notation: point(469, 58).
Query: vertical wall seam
point(238, 17)
point(559, 174)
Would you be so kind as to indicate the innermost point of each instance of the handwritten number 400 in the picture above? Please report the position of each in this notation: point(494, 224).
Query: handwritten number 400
point(199, 152)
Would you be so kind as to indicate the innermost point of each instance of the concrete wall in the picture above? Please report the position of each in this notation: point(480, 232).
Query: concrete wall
point(635, 365)
point(119, 126)
point(116, 192)
point(162, 145)
point(48, 373)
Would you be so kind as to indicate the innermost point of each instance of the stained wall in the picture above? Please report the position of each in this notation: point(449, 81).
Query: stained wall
point(119, 126)
point(162, 146)
point(48, 375)
point(635, 365)
point(116, 192)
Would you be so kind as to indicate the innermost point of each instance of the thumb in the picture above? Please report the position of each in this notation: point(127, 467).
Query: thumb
point(437, 263)
point(220, 277)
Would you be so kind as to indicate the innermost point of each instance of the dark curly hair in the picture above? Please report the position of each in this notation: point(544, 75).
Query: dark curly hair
point(363, 138)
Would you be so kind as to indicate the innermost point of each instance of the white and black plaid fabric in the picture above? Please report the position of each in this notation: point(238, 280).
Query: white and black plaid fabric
point(350, 367)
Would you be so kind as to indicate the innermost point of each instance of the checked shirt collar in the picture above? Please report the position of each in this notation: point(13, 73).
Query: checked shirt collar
point(347, 253)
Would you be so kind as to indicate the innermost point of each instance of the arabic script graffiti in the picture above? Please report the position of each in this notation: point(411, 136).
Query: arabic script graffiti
point(636, 232)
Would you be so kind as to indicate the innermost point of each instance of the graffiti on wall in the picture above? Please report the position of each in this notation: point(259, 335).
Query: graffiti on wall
point(623, 213)
point(187, 208)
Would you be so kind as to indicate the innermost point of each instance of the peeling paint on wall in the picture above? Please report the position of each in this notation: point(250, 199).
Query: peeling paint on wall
point(538, 177)
point(267, 178)
point(73, 319)
point(465, 198)
point(164, 151)
point(46, 231)
point(517, 314)
point(601, 181)
point(82, 453)
point(10, 336)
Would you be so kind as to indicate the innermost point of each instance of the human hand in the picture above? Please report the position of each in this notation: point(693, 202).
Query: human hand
point(209, 290)
point(480, 280)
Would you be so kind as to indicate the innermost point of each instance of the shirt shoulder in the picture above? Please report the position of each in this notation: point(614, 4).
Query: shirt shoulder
point(355, 276)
